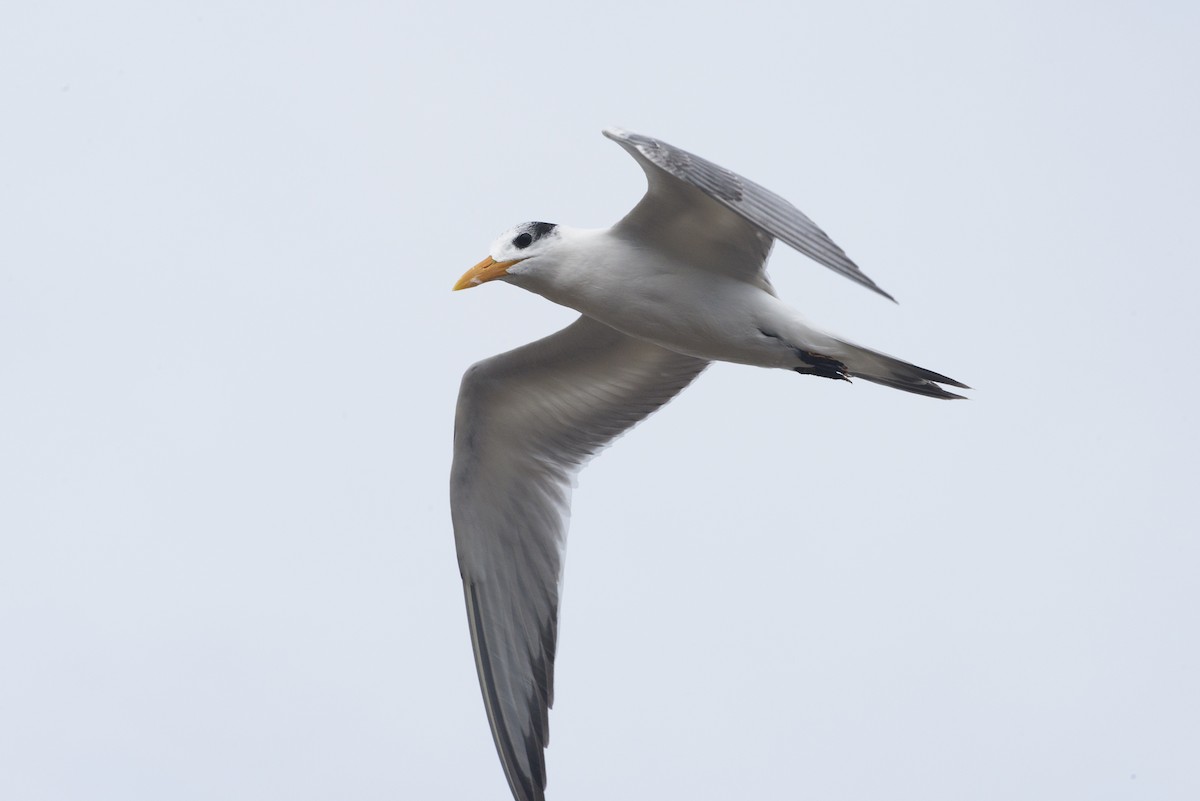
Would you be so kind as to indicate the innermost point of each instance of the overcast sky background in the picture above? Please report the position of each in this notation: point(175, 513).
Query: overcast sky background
point(229, 357)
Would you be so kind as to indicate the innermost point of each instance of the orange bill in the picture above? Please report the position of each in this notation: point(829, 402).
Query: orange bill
point(487, 270)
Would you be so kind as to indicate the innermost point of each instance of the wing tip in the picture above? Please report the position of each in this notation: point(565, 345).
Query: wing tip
point(883, 292)
point(857, 276)
point(528, 783)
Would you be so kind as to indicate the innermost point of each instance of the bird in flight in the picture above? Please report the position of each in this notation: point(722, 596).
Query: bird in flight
point(679, 282)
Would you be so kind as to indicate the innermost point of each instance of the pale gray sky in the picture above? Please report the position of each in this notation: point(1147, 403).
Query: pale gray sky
point(229, 357)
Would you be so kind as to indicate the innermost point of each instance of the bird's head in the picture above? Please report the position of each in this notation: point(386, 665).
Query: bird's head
point(519, 253)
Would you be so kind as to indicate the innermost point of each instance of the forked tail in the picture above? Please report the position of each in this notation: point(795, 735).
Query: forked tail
point(844, 360)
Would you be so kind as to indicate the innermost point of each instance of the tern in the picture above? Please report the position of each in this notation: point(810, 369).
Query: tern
point(678, 283)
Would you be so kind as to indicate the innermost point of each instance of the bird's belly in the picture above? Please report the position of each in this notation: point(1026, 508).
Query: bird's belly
point(718, 320)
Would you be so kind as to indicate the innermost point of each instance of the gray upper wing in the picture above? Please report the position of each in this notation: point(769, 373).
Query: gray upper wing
point(761, 208)
point(527, 420)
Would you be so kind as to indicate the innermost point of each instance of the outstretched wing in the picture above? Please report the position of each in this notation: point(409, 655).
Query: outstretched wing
point(527, 421)
point(726, 207)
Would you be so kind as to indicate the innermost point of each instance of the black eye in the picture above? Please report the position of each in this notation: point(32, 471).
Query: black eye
point(523, 240)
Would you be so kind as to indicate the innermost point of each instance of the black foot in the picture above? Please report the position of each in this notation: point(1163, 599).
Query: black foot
point(816, 364)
